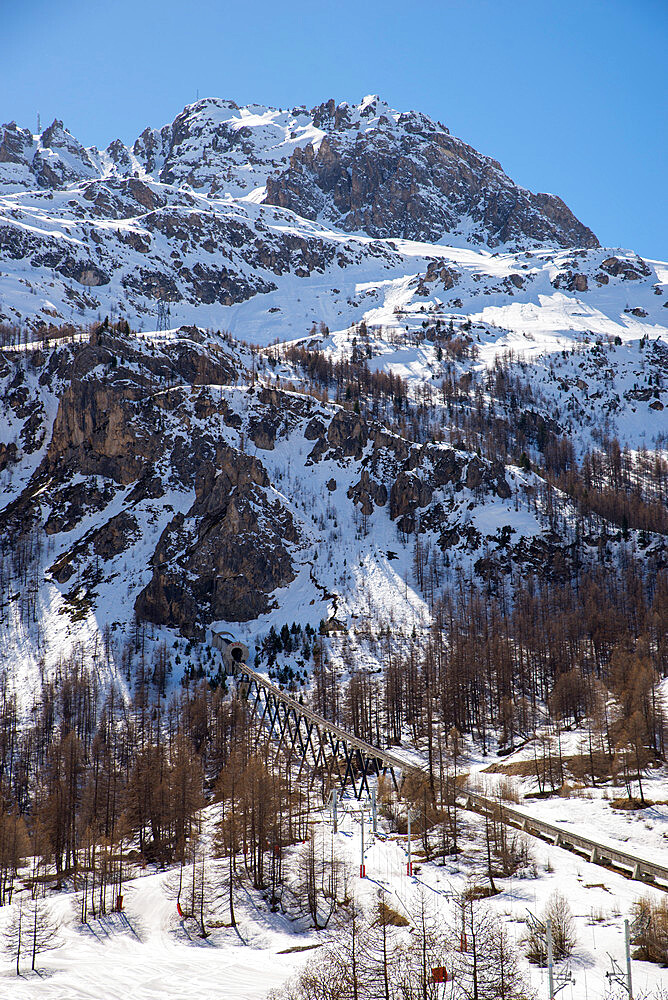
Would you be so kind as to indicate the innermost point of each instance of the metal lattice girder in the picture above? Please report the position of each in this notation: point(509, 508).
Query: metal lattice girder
point(292, 733)
point(258, 694)
point(298, 722)
point(335, 755)
point(320, 755)
point(281, 734)
point(273, 713)
point(264, 712)
point(320, 744)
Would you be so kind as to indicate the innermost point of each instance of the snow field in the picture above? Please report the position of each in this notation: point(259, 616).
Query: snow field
point(147, 952)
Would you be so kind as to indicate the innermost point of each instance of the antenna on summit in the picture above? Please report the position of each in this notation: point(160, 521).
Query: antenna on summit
point(39, 124)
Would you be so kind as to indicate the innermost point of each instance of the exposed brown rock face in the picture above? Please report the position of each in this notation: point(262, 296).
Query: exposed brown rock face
point(407, 494)
point(428, 469)
point(120, 413)
point(115, 536)
point(16, 145)
point(93, 430)
point(410, 178)
point(367, 492)
point(232, 541)
point(8, 454)
point(346, 437)
point(626, 269)
point(445, 277)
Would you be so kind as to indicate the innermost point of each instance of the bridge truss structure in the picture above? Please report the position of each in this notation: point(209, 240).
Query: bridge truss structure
point(330, 753)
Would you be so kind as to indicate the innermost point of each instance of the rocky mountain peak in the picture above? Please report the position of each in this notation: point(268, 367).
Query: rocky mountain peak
point(331, 116)
point(359, 167)
point(52, 160)
point(219, 206)
point(56, 136)
point(393, 174)
point(15, 144)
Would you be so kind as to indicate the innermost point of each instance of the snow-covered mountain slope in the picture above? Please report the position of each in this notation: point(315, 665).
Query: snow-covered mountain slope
point(368, 238)
point(186, 481)
point(592, 377)
point(232, 218)
point(298, 211)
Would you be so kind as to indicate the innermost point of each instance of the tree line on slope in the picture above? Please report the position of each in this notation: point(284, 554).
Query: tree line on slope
point(501, 414)
point(536, 656)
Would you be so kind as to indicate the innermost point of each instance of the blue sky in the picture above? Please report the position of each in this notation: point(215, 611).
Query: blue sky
point(570, 97)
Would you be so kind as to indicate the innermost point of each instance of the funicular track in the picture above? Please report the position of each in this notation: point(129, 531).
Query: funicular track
point(331, 752)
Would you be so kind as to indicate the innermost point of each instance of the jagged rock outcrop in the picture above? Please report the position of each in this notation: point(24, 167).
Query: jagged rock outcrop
point(630, 270)
point(368, 492)
point(61, 159)
point(8, 453)
point(93, 429)
point(345, 437)
point(16, 145)
point(224, 557)
point(405, 176)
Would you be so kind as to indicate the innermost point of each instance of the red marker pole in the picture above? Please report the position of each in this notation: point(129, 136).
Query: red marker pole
point(409, 865)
